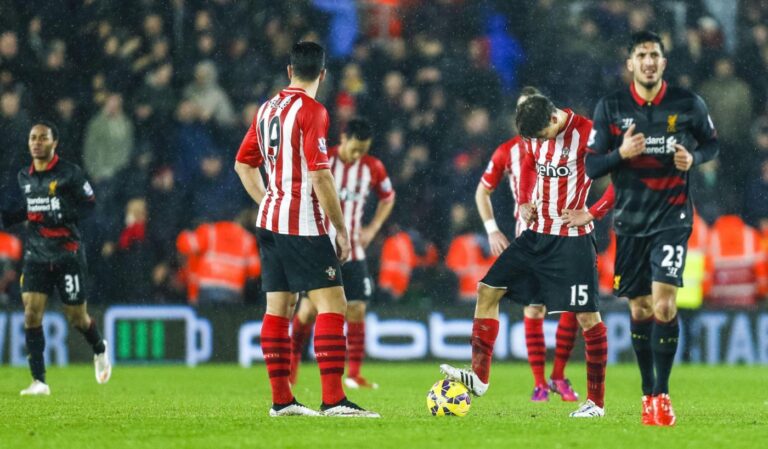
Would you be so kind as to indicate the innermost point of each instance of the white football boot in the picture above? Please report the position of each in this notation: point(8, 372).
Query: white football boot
point(347, 409)
point(102, 366)
point(588, 410)
point(466, 377)
point(37, 388)
point(295, 408)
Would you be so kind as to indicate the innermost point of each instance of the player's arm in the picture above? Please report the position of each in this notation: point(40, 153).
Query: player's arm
point(492, 176)
point(83, 193)
point(575, 218)
point(497, 240)
point(325, 190)
point(252, 181)
point(528, 177)
point(247, 163)
point(383, 211)
point(706, 136)
point(313, 121)
point(386, 195)
point(601, 160)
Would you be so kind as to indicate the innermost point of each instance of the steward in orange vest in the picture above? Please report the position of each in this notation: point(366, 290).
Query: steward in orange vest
point(220, 257)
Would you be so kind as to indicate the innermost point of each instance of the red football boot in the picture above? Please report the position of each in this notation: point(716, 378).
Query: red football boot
point(663, 412)
point(648, 415)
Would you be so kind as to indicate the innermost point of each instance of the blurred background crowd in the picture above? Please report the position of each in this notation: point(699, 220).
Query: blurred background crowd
point(152, 99)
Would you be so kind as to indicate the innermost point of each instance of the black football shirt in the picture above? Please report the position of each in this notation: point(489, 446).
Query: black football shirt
point(651, 194)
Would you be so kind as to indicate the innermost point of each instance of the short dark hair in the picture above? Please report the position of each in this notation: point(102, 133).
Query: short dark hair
point(359, 128)
point(307, 60)
point(528, 91)
point(642, 37)
point(533, 115)
point(50, 125)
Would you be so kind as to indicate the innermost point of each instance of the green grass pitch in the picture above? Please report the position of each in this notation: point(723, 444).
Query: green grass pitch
point(224, 406)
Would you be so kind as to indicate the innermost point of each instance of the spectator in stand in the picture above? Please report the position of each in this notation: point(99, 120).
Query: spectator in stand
point(756, 199)
point(108, 141)
point(209, 97)
point(193, 139)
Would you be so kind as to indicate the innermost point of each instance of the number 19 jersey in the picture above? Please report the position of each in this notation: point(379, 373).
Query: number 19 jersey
point(288, 137)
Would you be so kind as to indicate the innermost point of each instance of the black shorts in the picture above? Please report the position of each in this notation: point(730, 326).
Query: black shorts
point(524, 291)
point(640, 261)
point(560, 271)
point(358, 284)
point(293, 263)
point(68, 276)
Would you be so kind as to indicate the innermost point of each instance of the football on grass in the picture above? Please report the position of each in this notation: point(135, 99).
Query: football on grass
point(448, 398)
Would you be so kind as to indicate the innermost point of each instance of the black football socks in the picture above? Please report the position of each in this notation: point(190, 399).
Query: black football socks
point(641, 342)
point(664, 342)
point(93, 337)
point(35, 347)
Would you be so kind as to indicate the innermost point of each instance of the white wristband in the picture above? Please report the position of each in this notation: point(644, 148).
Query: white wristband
point(490, 226)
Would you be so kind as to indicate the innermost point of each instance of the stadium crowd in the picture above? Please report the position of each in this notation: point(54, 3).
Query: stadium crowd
point(152, 99)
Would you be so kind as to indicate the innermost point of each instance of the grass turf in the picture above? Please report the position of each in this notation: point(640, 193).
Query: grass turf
point(226, 407)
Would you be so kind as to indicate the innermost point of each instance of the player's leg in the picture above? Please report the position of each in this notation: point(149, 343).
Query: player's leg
point(356, 341)
point(275, 339)
point(668, 260)
point(71, 277)
point(567, 274)
point(485, 329)
point(34, 308)
point(330, 351)
point(276, 346)
point(565, 339)
point(359, 287)
point(596, 348)
point(301, 329)
point(510, 269)
point(633, 280)
point(533, 319)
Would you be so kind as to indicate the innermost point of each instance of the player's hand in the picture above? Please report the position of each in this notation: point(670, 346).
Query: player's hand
point(367, 235)
point(528, 213)
point(498, 242)
point(633, 144)
point(574, 218)
point(343, 247)
point(683, 158)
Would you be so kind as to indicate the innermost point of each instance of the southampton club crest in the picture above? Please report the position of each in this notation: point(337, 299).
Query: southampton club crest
point(331, 272)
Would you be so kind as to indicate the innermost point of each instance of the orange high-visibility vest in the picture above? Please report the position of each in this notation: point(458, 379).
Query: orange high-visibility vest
point(398, 259)
point(736, 267)
point(605, 261)
point(466, 259)
point(220, 255)
point(10, 247)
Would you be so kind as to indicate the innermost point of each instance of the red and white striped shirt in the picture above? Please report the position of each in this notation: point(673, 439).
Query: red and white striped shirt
point(507, 159)
point(288, 134)
point(556, 169)
point(354, 181)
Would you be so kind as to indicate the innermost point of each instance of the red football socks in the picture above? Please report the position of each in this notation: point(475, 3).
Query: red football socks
point(537, 351)
point(299, 335)
point(331, 351)
point(356, 345)
point(597, 356)
point(566, 335)
point(484, 332)
point(276, 346)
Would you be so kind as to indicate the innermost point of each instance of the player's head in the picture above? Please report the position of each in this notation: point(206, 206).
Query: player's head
point(356, 138)
point(536, 118)
point(307, 62)
point(646, 59)
point(526, 92)
point(43, 138)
